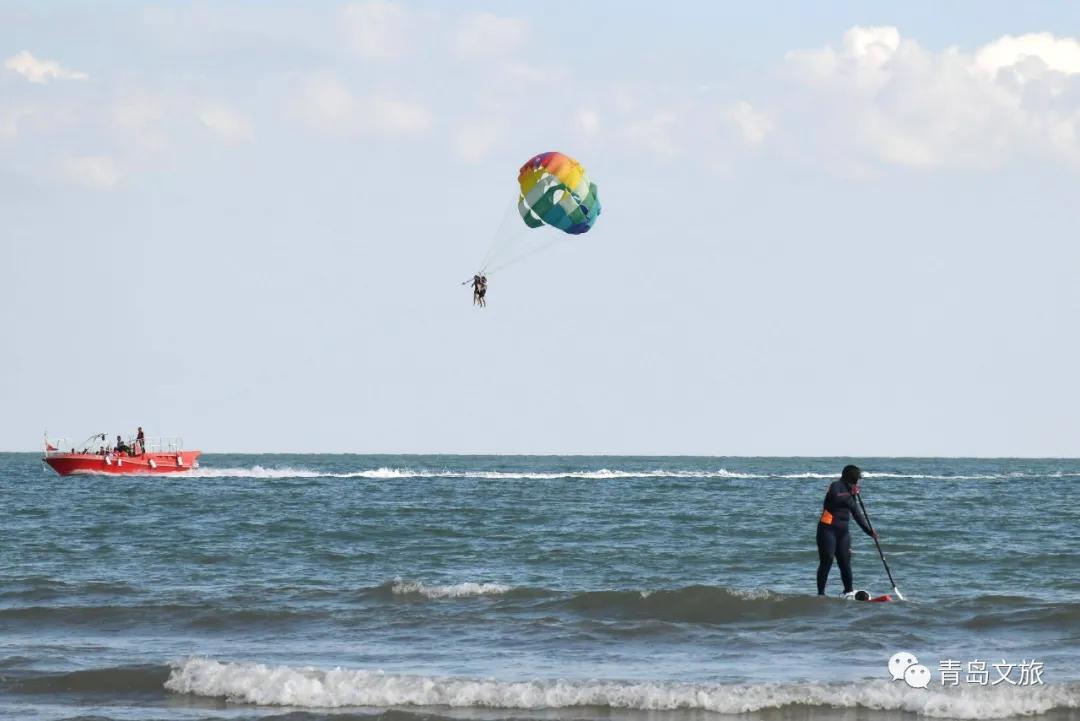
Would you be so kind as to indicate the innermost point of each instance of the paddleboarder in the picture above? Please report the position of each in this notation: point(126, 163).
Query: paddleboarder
point(833, 539)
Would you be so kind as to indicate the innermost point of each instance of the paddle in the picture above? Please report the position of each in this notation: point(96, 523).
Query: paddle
point(880, 553)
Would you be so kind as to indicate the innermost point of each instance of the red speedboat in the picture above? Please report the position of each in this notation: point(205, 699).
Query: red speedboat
point(94, 456)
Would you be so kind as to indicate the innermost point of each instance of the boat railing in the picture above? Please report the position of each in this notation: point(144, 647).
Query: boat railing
point(163, 444)
point(160, 444)
point(57, 445)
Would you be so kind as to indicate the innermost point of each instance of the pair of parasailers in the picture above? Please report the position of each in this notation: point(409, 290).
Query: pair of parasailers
point(479, 286)
point(833, 539)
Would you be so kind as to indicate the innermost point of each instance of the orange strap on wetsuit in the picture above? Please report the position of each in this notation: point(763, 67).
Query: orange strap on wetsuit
point(839, 507)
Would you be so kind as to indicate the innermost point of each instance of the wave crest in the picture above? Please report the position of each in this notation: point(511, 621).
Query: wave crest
point(695, 604)
point(399, 587)
point(309, 687)
point(395, 473)
point(386, 473)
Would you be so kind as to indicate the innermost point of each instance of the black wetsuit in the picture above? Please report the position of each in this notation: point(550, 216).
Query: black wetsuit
point(833, 539)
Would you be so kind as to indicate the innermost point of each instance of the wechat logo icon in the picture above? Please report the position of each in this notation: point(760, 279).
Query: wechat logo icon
point(905, 667)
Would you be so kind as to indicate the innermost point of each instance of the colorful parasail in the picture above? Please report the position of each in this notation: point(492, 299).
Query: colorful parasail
point(556, 191)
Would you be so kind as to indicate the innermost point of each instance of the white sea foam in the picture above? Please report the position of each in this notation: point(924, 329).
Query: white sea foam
point(289, 472)
point(385, 473)
point(807, 474)
point(914, 476)
point(308, 687)
point(932, 477)
point(751, 594)
point(748, 594)
point(457, 590)
point(392, 473)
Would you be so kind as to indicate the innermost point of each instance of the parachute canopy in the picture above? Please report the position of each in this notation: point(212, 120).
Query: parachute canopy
point(556, 191)
point(553, 190)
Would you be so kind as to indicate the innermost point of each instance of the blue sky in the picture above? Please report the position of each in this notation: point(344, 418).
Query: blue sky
point(845, 230)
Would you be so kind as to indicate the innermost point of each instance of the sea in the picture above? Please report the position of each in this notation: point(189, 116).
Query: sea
point(549, 588)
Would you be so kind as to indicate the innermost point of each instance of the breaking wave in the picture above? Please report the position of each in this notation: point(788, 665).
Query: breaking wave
point(690, 604)
point(399, 587)
point(385, 473)
point(308, 687)
point(393, 473)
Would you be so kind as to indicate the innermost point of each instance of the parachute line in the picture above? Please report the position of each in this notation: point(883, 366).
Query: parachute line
point(503, 242)
point(554, 191)
point(528, 254)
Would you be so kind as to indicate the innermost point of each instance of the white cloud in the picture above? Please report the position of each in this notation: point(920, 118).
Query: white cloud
point(377, 29)
point(708, 131)
point(477, 137)
point(326, 105)
point(155, 122)
point(489, 36)
point(656, 132)
point(873, 45)
point(138, 111)
point(883, 98)
point(588, 121)
point(392, 116)
point(10, 119)
point(1057, 54)
point(90, 171)
point(40, 71)
point(861, 60)
point(753, 125)
point(226, 123)
point(142, 117)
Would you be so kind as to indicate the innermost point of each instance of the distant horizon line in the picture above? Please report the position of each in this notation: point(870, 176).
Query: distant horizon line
point(849, 456)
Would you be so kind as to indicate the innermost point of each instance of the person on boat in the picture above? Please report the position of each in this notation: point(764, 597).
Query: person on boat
point(140, 442)
point(121, 447)
point(833, 540)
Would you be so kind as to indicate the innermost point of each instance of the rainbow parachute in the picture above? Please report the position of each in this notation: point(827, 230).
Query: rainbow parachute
point(556, 191)
point(553, 190)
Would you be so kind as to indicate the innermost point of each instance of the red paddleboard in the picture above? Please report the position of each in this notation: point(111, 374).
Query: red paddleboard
point(864, 596)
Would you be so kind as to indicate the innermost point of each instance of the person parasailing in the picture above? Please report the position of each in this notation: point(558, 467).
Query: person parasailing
point(554, 193)
point(479, 286)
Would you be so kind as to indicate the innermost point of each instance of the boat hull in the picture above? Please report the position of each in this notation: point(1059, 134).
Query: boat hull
point(73, 464)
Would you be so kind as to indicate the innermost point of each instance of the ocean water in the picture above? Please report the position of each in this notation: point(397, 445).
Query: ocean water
point(468, 587)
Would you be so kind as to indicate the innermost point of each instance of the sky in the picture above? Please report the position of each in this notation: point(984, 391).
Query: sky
point(842, 230)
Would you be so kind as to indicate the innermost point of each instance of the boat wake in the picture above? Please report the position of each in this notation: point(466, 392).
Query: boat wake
point(387, 473)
